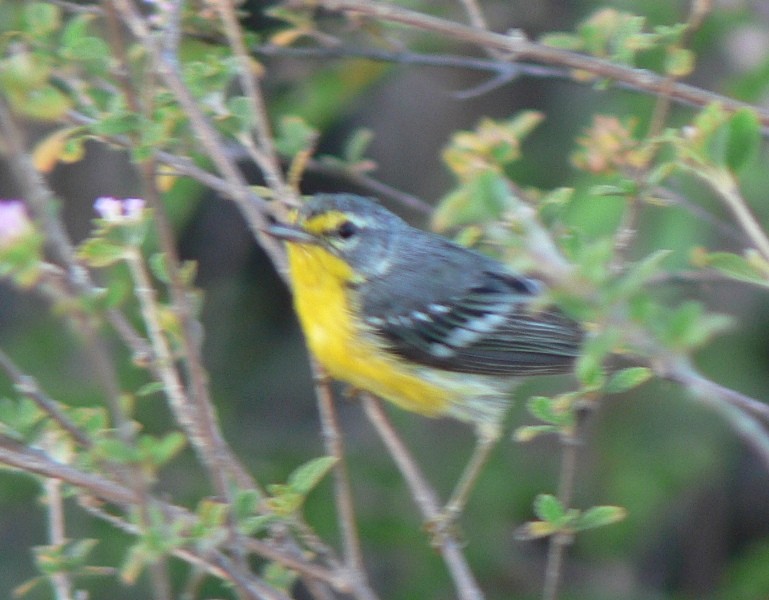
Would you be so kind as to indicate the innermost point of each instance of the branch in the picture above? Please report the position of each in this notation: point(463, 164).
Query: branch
point(266, 155)
point(729, 191)
point(557, 544)
point(520, 48)
point(738, 409)
point(32, 461)
point(209, 138)
point(57, 534)
point(426, 500)
point(332, 440)
point(28, 386)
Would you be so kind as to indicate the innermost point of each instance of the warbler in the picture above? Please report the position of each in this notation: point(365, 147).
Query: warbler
point(434, 327)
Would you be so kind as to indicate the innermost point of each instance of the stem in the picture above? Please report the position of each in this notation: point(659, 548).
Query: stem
point(265, 156)
point(332, 439)
point(426, 500)
point(186, 413)
point(209, 138)
point(521, 48)
point(735, 407)
point(28, 385)
point(726, 186)
point(570, 443)
point(56, 534)
point(95, 490)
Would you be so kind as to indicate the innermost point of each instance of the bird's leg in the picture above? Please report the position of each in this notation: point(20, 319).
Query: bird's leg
point(485, 443)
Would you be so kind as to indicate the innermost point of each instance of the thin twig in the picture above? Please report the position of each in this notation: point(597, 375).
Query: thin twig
point(200, 417)
point(475, 14)
point(558, 543)
point(725, 184)
point(332, 439)
point(56, 534)
point(29, 386)
point(29, 460)
point(735, 407)
point(698, 11)
point(464, 581)
point(724, 227)
point(266, 156)
point(209, 138)
point(380, 189)
point(520, 48)
point(39, 197)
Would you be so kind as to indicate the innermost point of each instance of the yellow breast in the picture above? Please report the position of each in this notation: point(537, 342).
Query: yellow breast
point(342, 343)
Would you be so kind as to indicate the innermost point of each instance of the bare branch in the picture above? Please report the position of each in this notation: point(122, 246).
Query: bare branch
point(520, 48)
point(332, 439)
point(426, 500)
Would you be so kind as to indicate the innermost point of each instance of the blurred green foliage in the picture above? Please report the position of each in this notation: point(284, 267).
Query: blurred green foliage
point(591, 160)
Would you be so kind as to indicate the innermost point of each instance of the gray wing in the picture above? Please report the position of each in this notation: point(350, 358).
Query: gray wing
point(482, 324)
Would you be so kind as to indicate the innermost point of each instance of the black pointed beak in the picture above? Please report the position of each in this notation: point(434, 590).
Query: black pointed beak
point(290, 233)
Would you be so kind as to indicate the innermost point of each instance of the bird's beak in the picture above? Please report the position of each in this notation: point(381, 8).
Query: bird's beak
point(290, 233)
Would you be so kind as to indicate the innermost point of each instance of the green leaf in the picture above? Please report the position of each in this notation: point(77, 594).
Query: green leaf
point(598, 516)
point(548, 508)
point(117, 123)
point(23, 71)
point(62, 558)
point(688, 326)
point(493, 145)
point(159, 266)
point(211, 513)
point(357, 144)
point(153, 387)
point(294, 135)
point(534, 530)
point(564, 41)
point(135, 561)
point(309, 475)
point(240, 108)
point(98, 252)
point(627, 379)
point(88, 49)
point(679, 62)
point(283, 501)
point(589, 371)
point(159, 451)
point(555, 411)
point(44, 103)
point(638, 275)
point(743, 139)
point(256, 524)
point(188, 270)
point(481, 198)
point(616, 189)
point(245, 503)
point(41, 18)
point(92, 420)
point(734, 266)
point(115, 450)
point(76, 29)
point(20, 416)
point(527, 433)
point(279, 577)
point(594, 259)
point(589, 368)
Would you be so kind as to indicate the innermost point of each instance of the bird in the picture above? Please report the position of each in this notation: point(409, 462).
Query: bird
point(414, 318)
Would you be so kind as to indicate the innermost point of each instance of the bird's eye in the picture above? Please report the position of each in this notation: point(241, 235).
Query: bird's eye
point(346, 230)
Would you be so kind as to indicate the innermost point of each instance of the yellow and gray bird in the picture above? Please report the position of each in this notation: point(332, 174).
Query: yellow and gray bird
point(434, 327)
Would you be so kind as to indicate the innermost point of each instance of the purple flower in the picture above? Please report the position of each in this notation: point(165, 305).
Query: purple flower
point(14, 222)
point(163, 11)
point(116, 210)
